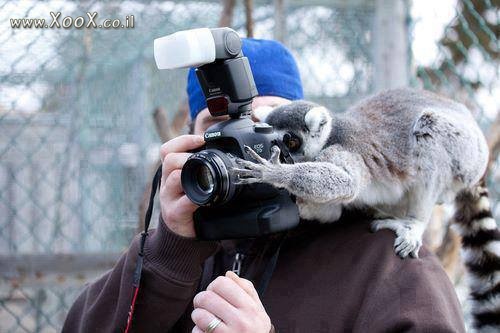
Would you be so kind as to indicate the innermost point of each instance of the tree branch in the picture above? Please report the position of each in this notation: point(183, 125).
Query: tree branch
point(249, 17)
point(226, 16)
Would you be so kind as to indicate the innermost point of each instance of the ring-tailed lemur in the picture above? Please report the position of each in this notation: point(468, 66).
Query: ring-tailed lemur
point(400, 152)
point(481, 251)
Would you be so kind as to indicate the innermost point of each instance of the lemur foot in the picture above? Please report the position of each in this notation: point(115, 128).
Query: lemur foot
point(409, 235)
point(249, 172)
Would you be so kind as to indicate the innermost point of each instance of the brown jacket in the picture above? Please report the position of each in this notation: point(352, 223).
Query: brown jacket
point(328, 278)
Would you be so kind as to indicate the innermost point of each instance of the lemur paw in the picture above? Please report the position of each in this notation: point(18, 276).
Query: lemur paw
point(408, 232)
point(249, 172)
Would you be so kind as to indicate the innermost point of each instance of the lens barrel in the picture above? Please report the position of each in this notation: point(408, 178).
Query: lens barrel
point(206, 179)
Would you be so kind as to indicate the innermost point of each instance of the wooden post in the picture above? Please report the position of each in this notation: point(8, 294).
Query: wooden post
point(226, 17)
point(280, 20)
point(249, 17)
point(390, 45)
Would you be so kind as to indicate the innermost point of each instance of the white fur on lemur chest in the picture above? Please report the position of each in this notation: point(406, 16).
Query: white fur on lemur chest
point(378, 193)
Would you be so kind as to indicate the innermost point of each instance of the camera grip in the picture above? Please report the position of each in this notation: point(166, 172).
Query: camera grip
point(259, 218)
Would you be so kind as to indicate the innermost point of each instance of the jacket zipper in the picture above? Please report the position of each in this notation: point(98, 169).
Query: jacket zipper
point(238, 259)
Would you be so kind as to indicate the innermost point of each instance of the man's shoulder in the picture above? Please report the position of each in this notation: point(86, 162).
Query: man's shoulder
point(351, 240)
point(347, 264)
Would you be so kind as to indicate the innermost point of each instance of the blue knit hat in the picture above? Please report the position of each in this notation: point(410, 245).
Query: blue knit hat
point(274, 71)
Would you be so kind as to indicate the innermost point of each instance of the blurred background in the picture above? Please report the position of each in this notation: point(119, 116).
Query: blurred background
point(83, 113)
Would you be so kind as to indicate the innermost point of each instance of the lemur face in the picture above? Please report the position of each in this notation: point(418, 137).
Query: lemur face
point(304, 127)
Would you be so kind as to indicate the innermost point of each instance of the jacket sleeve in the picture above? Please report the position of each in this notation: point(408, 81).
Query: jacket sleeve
point(416, 297)
point(171, 272)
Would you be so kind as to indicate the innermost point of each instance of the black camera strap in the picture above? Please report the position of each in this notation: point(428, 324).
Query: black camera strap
point(270, 265)
point(258, 262)
point(140, 259)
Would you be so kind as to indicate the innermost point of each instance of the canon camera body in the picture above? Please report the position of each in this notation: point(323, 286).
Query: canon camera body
point(227, 209)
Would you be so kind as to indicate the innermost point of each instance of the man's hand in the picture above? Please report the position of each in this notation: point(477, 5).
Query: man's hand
point(176, 209)
point(233, 300)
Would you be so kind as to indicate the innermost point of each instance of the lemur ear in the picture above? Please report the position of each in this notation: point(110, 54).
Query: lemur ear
point(316, 118)
point(262, 112)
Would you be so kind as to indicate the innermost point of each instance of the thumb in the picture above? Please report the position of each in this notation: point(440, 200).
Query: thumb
point(245, 284)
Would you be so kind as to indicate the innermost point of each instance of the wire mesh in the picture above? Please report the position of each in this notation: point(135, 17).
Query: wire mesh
point(77, 140)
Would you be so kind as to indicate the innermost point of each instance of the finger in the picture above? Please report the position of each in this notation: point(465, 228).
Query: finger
point(246, 181)
point(180, 210)
point(173, 185)
point(275, 154)
point(202, 318)
point(172, 162)
point(182, 143)
point(245, 172)
point(254, 155)
point(245, 284)
point(248, 164)
point(185, 206)
point(231, 291)
point(196, 329)
point(216, 305)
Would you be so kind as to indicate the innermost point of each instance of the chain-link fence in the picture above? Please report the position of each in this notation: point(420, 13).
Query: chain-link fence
point(77, 138)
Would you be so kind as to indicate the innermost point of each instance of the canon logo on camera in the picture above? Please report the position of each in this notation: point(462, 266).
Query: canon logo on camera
point(212, 135)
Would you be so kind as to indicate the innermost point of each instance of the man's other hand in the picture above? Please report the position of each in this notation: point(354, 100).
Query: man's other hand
point(176, 209)
point(235, 302)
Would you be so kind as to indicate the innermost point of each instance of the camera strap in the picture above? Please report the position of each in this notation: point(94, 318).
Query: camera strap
point(270, 265)
point(136, 279)
point(259, 262)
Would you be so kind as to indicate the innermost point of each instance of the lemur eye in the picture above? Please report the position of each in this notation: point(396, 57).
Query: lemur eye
point(292, 142)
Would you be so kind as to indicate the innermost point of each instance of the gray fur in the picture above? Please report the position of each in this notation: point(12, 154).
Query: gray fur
point(400, 152)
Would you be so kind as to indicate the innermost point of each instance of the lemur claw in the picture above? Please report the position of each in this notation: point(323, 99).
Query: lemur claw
point(275, 155)
point(249, 172)
point(408, 240)
point(246, 176)
point(246, 164)
point(254, 155)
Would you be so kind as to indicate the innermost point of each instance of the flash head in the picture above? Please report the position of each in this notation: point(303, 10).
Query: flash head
point(222, 70)
point(190, 48)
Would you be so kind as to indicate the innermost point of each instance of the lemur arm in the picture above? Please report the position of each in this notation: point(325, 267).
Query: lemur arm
point(336, 175)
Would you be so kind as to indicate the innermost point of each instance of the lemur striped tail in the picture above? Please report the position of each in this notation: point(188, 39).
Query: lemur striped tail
point(481, 249)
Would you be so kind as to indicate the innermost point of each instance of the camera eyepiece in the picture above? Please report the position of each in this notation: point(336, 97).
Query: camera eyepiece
point(206, 179)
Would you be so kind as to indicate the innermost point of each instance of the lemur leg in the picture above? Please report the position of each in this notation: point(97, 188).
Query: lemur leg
point(318, 181)
point(410, 228)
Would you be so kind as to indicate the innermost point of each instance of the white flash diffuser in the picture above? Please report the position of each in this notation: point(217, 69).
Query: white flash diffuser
point(188, 48)
point(222, 70)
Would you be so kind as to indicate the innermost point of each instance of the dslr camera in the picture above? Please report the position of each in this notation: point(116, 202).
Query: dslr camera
point(228, 210)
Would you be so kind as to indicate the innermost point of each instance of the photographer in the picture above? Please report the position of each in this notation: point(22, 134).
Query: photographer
point(328, 278)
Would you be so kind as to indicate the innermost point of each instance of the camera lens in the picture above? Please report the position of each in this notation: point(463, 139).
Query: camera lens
point(205, 178)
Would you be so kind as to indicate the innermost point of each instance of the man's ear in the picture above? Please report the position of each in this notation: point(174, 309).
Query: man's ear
point(262, 112)
point(318, 120)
